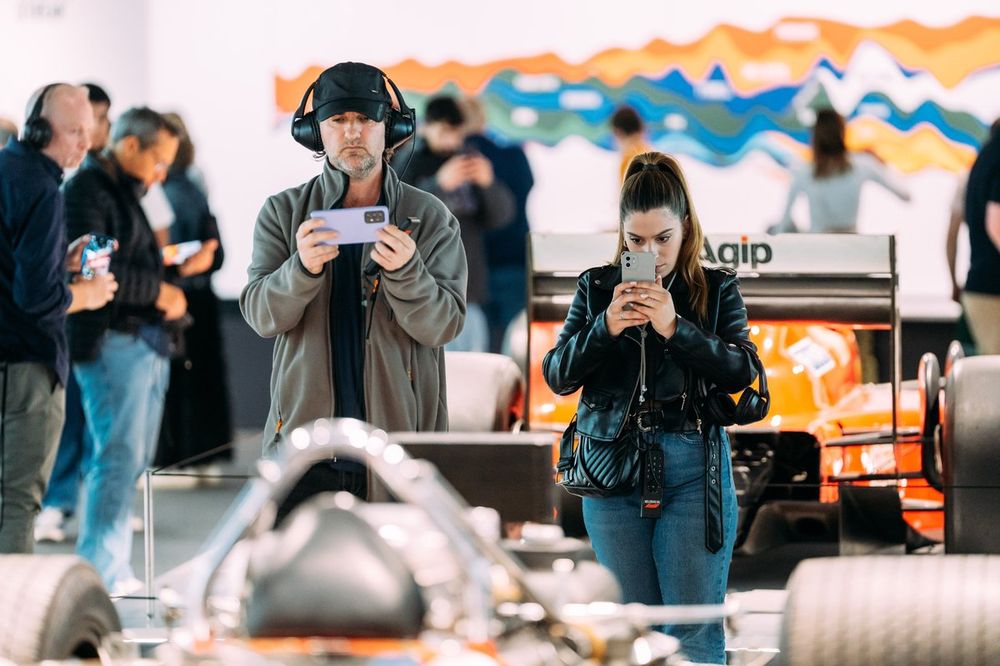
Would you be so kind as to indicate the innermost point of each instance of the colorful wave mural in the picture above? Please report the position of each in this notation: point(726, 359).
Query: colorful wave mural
point(916, 96)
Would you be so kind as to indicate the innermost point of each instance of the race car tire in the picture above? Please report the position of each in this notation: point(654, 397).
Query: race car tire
point(955, 352)
point(915, 610)
point(970, 456)
point(929, 390)
point(52, 607)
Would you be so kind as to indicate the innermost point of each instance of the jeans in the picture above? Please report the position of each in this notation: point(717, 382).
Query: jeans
point(664, 561)
point(72, 457)
point(31, 415)
point(123, 393)
point(475, 335)
point(508, 291)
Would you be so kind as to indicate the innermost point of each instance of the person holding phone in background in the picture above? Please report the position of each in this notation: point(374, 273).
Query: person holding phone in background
point(359, 327)
point(34, 300)
point(196, 417)
point(458, 174)
point(686, 320)
point(120, 353)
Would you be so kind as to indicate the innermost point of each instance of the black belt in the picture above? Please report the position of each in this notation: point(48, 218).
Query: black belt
point(665, 416)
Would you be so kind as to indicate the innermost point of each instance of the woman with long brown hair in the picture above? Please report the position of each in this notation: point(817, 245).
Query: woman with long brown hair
point(641, 351)
point(832, 182)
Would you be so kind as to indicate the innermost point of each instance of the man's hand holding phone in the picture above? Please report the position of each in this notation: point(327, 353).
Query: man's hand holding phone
point(310, 239)
point(200, 261)
point(74, 253)
point(92, 294)
point(393, 249)
point(453, 173)
point(479, 170)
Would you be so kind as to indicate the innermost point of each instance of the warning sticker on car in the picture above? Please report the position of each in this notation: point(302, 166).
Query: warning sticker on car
point(814, 358)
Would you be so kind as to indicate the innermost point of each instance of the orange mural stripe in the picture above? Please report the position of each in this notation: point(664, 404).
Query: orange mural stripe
point(949, 53)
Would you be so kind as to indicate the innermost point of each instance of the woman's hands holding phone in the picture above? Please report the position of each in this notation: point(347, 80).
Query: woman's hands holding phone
point(657, 305)
point(637, 303)
point(621, 313)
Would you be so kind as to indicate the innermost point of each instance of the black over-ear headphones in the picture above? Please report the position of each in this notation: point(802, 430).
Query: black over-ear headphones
point(37, 130)
point(400, 124)
point(721, 409)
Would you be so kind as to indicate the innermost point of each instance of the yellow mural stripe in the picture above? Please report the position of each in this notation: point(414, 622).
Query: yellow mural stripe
point(920, 148)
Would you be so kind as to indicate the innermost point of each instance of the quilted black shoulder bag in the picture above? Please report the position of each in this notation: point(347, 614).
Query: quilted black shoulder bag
point(591, 467)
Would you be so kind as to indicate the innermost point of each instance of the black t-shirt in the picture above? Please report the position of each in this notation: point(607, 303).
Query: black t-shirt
point(983, 187)
point(347, 334)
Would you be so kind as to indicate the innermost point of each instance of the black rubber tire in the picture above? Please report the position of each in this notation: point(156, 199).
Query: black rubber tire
point(970, 456)
point(929, 385)
point(52, 607)
point(915, 610)
point(955, 353)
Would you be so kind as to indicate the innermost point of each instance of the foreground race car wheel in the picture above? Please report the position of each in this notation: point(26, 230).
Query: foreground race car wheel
point(52, 607)
point(915, 610)
point(929, 385)
point(970, 456)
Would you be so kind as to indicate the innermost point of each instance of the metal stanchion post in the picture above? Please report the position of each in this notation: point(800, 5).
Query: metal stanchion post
point(147, 532)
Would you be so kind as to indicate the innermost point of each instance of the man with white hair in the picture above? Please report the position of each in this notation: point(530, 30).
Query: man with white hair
point(34, 299)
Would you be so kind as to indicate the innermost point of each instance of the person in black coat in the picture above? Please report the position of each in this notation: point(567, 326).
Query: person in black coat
point(640, 351)
point(197, 425)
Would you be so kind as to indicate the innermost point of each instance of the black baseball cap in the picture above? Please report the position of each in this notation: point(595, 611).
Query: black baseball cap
point(351, 86)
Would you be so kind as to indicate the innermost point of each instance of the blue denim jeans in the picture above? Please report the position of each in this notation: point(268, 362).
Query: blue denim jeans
point(72, 457)
point(123, 393)
point(664, 561)
point(475, 335)
point(507, 293)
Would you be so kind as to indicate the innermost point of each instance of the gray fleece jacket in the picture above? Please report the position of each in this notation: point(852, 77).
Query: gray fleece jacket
point(418, 308)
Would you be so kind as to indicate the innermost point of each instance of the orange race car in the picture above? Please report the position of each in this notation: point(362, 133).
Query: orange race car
point(826, 427)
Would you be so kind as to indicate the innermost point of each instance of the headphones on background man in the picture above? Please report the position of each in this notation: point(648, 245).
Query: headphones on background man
point(400, 120)
point(721, 409)
point(37, 131)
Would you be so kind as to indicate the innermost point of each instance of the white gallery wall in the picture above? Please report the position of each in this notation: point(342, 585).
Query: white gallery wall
point(215, 62)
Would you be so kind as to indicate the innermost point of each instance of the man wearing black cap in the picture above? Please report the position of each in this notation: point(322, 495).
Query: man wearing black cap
point(355, 340)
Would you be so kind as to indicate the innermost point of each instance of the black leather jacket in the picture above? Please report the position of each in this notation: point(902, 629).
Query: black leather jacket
point(607, 368)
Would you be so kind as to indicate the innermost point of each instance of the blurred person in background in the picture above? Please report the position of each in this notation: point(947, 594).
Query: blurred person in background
point(35, 299)
point(59, 503)
point(981, 294)
point(197, 413)
point(120, 353)
point(832, 181)
point(506, 247)
point(832, 185)
point(629, 133)
point(8, 130)
point(461, 177)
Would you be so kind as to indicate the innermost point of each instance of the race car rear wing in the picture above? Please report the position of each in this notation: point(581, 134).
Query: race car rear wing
point(814, 278)
point(846, 279)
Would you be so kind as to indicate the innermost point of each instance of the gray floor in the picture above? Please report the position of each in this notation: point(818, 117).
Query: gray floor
point(187, 509)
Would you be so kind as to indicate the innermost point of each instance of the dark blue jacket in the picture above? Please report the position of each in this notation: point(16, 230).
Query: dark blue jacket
point(507, 246)
point(34, 296)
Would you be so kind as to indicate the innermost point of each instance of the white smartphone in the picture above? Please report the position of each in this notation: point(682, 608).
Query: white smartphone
point(355, 225)
point(178, 253)
point(638, 266)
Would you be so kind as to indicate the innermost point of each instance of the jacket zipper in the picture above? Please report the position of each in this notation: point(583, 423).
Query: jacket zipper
point(621, 426)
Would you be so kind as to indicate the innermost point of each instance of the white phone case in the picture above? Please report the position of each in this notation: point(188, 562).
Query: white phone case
point(638, 266)
point(355, 225)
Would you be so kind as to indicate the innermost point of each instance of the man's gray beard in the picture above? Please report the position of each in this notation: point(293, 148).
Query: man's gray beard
point(367, 167)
